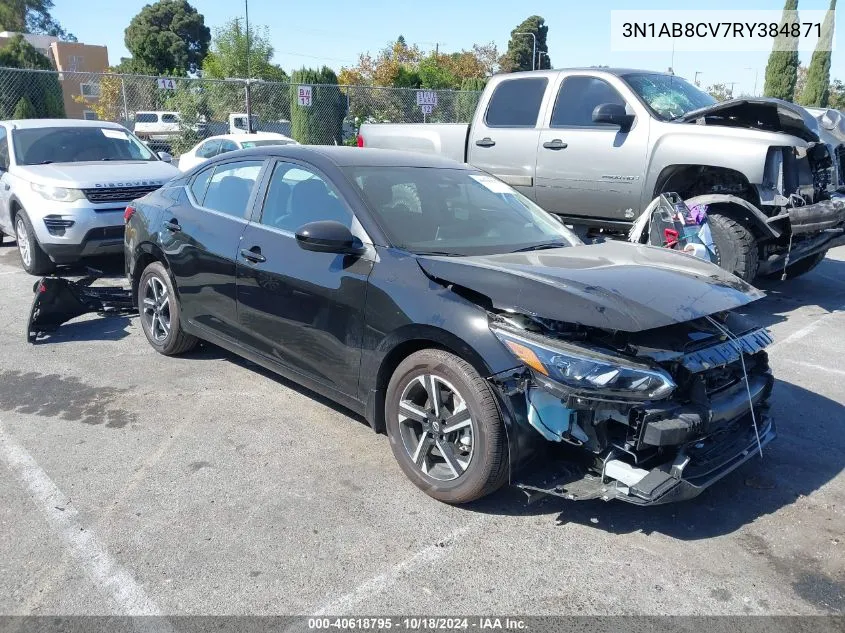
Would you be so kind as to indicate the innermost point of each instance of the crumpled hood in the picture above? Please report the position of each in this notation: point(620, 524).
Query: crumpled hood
point(614, 285)
point(85, 175)
point(764, 113)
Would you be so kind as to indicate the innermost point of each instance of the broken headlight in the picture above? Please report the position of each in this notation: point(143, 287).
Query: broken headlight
point(587, 371)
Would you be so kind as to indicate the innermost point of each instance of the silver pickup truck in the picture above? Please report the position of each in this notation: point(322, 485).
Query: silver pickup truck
point(596, 146)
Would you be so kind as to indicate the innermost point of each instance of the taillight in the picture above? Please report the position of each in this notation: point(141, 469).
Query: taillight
point(127, 215)
point(360, 141)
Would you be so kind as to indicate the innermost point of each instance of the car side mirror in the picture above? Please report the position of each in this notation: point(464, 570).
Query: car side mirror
point(165, 156)
point(328, 236)
point(614, 114)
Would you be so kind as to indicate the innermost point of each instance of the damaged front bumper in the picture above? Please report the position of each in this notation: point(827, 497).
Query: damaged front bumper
point(643, 452)
point(696, 466)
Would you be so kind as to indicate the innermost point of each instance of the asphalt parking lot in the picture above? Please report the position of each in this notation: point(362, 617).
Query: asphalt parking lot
point(131, 483)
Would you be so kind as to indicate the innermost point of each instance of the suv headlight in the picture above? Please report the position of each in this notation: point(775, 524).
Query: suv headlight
point(58, 194)
point(589, 372)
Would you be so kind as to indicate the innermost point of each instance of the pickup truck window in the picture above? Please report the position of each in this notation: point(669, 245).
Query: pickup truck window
point(146, 117)
point(455, 212)
point(516, 102)
point(667, 96)
point(577, 98)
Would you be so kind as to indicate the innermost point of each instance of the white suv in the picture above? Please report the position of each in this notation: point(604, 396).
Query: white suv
point(64, 185)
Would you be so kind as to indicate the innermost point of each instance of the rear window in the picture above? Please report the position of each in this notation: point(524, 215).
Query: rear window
point(146, 117)
point(516, 102)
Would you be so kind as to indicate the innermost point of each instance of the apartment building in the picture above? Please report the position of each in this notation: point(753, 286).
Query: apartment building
point(73, 60)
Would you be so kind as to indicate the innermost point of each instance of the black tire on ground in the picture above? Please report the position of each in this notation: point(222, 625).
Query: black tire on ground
point(487, 466)
point(33, 258)
point(159, 311)
point(736, 247)
point(801, 267)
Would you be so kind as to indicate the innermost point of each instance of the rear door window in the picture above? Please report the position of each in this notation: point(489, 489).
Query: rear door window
point(516, 102)
point(231, 186)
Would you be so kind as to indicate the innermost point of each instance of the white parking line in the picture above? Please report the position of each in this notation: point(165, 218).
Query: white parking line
point(91, 554)
point(12, 272)
point(813, 366)
point(377, 584)
point(807, 329)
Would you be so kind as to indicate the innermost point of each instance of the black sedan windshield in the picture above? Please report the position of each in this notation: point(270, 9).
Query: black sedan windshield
point(39, 146)
point(669, 97)
point(455, 212)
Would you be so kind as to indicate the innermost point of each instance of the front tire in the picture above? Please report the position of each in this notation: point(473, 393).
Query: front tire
point(33, 258)
point(736, 246)
point(159, 310)
point(444, 427)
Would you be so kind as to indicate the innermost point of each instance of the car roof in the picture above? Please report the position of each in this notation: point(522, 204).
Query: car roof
point(345, 156)
point(255, 136)
point(619, 72)
point(23, 124)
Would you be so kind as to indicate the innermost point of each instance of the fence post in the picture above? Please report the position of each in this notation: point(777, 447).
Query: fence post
point(125, 107)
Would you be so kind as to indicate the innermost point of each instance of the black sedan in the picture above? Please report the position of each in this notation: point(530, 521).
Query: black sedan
point(452, 312)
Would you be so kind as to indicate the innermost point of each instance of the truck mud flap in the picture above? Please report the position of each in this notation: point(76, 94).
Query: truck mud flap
point(58, 300)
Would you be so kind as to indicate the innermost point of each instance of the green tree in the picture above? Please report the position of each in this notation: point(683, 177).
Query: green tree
point(228, 54)
point(817, 90)
point(720, 92)
point(782, 68)
point(468, 99)
point(168, 35)
point(520, 47)
point(435, 72)
point(836, 100)
point(31, 16)
point(35, 80)
point(321, 123)
point(24, 110)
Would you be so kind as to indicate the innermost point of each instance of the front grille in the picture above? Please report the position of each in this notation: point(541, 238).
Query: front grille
point(118, 194)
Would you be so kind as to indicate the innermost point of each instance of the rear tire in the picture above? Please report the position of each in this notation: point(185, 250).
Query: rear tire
point(33, 258)
point(456, 466)
point(159, 310)
point(736, 246)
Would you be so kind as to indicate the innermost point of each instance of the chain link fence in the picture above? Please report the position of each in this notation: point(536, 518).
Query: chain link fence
point(175, 113)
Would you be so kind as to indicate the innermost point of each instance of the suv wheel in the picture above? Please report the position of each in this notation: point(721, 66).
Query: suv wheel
point(444, 427)
point(33, 258)
point(159, 310)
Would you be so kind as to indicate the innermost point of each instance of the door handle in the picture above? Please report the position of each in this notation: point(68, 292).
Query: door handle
point(486, 142)
point(555, 144)
point(173, 226)
point(253, 255)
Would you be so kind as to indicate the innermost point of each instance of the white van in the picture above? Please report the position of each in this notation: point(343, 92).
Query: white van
point(156, 125)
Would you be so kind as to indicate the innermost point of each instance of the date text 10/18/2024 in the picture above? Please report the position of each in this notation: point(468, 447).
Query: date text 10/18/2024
point(417, 623)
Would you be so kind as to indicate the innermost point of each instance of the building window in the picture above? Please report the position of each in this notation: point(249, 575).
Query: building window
point(91, 90)
point(75, 63)
point(90, 115)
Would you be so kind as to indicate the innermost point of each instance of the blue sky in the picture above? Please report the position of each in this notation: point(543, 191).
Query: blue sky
point(333, 32)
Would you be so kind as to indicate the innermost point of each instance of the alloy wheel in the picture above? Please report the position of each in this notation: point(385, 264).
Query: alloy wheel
point(436, 427)
point(22, 237)
point(157, 309)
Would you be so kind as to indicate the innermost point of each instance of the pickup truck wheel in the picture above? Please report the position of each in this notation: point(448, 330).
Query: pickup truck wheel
point(801, 267)
point(33, 258)
point(736, 247)
point(444, 427)
point(159, 310)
